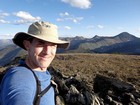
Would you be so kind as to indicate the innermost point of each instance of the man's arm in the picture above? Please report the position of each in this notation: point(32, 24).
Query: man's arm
point(18, 87)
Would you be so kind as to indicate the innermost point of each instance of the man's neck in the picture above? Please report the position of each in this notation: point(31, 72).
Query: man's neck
point(30, 65)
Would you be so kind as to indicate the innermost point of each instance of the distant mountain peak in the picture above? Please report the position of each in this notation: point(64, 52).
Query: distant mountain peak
point(126, 34)
point(96, 36)
point(79, 37)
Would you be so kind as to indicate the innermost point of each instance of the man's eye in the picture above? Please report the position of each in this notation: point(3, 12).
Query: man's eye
point(54, 46)
point(41, 42)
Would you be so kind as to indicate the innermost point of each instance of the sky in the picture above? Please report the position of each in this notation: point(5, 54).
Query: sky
point(85, 18)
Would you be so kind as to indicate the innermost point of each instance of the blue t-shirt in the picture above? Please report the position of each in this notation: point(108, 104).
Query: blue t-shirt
point(18, 87)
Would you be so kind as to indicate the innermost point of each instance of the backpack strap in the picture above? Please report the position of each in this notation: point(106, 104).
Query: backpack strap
point(38, 90)
point(39, 93)
point(45, 90)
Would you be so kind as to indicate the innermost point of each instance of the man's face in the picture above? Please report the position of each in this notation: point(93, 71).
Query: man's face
point(40, 53)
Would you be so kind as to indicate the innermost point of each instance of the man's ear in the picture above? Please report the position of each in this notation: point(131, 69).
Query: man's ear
point(26, 44)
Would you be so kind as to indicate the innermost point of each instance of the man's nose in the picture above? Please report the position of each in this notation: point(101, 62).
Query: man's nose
point(47, 49)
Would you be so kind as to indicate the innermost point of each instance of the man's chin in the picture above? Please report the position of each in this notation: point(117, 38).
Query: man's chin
point(44, 66)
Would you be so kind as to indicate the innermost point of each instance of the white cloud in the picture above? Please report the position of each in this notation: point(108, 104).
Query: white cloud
point(59, 19)
point(83, 4)
point(64, 14)
point(67, 27)
point(6, 36)
point(100, 26)
point(3, 21)
point(21, 21)
point(71, 19)
point(67, 17)
point(79, 18)
point(3, 14)
point(25, 17)
point(75, 19)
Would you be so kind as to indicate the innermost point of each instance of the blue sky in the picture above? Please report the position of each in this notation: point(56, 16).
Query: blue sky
point(85, 18)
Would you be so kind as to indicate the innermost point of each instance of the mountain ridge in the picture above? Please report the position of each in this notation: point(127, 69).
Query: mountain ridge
point(123, 43)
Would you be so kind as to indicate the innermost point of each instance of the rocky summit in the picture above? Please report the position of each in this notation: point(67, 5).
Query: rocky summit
point(107, 91)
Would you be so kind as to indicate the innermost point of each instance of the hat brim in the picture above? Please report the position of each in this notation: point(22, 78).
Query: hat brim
point(21, 36)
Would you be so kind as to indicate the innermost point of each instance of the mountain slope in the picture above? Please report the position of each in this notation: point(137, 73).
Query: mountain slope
point(129, 47)
point(9, 53)
point(5, 42)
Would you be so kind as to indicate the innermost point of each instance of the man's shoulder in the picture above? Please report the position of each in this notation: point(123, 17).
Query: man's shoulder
point(17, 69)
point(18, 77)
point(18, 72)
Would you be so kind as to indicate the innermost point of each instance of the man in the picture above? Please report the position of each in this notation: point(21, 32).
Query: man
point(19, 85)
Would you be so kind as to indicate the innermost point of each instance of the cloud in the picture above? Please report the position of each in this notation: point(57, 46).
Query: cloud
point(67, 17)
point(74, 19)
point(67, 27)
point(100, 26)
point(25, 17)
point(59, 19)
point(64, 14)
point(3, 14)
point(3, 21)
point(6, 36)
point(21, 21)
point(83, 4)
point(77, 19)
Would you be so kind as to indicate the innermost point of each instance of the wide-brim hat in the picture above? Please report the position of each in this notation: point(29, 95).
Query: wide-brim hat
point(41, 30)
